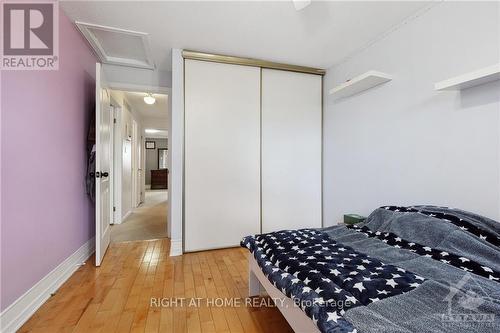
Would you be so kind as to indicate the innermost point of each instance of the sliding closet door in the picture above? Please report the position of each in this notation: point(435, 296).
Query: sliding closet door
point(222, 154)
point(291, 150)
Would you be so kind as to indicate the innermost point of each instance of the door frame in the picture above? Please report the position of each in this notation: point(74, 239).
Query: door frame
point(118, 112)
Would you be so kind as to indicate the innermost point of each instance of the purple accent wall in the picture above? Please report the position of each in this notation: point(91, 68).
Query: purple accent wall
point(45, 213)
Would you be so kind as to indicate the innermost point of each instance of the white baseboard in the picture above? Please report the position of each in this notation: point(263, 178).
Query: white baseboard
point(125, 216)
point(14, 316)
point(175, 247)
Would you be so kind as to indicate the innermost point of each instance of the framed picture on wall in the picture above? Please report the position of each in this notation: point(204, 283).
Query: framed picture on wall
point(150, 145)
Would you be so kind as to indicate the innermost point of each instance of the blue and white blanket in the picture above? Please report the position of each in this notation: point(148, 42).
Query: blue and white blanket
point(406, 269)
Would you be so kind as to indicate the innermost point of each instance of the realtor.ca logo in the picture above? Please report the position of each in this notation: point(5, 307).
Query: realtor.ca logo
point(30, 38)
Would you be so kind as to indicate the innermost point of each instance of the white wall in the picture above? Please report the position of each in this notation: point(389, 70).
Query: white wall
point(176, 153)
point(159, 123)
point(404, 143)
point(121, 77)
point(126, 127)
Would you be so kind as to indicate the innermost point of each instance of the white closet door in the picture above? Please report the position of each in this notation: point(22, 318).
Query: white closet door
point(291, 150)
point(222, 154)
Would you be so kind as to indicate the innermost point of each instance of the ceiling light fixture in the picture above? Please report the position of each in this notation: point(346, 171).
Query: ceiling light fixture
point(301, 4)
point(149, 99)
point(151, 130)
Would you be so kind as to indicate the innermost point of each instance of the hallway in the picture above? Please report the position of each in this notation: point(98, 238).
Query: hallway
point(148, 221)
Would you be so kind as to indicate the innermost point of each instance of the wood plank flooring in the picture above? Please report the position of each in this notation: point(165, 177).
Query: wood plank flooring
point(116, 297)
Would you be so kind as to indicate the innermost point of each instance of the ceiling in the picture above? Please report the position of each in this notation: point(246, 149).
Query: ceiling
point(321, 35)
point(155, 133)
point(154, 117)
point(157, 110)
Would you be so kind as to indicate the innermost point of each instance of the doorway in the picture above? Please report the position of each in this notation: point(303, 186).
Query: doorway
point(124, 115)
point(139, 208)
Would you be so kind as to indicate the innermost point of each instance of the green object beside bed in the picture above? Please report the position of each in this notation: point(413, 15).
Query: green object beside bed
point(353, 218)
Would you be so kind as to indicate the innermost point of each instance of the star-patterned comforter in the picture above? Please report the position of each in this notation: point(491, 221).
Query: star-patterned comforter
point(341, 277)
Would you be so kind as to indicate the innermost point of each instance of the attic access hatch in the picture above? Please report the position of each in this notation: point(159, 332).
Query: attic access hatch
point(118, 46)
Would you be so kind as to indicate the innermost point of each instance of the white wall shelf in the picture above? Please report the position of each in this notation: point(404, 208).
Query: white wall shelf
point(475, 78)
point(360, 83)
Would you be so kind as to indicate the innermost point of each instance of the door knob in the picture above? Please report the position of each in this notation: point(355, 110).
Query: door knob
point(104, 174)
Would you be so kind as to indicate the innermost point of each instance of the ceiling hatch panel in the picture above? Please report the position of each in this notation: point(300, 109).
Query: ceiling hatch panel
point(118, 46)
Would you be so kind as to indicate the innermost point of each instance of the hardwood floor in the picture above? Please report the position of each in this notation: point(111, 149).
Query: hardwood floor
point(116, 297)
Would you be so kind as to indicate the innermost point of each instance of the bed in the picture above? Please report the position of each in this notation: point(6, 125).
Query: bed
point(405, 269)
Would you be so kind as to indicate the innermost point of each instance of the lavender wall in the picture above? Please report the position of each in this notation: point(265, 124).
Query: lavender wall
point(45, 213)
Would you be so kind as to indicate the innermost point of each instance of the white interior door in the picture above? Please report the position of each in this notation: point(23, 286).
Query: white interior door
point(104, 155)
point(222, 154)
point(291, 150)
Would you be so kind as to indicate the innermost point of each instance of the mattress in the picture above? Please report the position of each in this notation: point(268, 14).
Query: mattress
point(405, 269)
